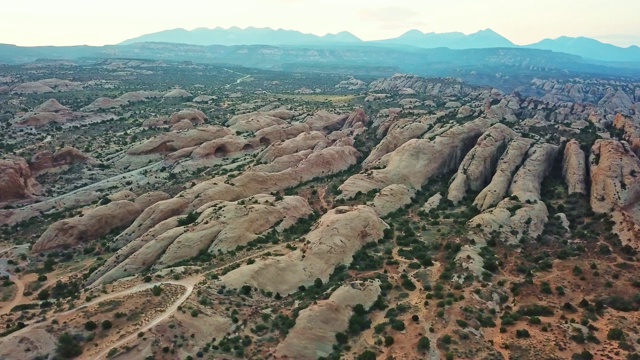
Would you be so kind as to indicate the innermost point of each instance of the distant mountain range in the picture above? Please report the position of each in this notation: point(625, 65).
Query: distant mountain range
point(581, 46)
point(237, 36)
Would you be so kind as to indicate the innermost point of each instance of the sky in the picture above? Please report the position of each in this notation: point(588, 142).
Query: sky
point(78, 22)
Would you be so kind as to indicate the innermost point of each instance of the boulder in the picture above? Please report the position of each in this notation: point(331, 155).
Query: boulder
point(432, 202)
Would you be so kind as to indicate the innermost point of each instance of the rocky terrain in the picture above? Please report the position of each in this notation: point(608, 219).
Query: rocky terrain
point(153, 210)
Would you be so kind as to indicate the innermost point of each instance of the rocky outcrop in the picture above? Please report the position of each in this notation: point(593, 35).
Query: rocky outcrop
point(176, 94)
point(523, 212)
point(391, 198)
point(314, 334)
point(478, 165)
point(270, 135)
point(527, 181)
point(314, 164)
point(397, 134)
point(155, 122)
point(509, 162)
point(173, 141)
point(630, 131)
point(51, 105)
point(46, 86)
point(333, 241)
point(221, 226)
point(357, 119)
point(326, 121)
point(574, 168)
point(435, 87)
point(95, 223)
point(48, 112)
point(105, 103)
point(304, 141)
point(196, 117)
point(66, 156)
point(255, 121)
point(16, 180)
point(418, 160)
point(228, 146)
point(183, 125)
point(432, 202)
point(615, 177)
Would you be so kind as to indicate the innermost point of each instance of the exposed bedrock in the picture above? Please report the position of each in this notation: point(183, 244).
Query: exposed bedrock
point(333, 241)
point(574, 168)
point(95, 223)
point(315, 331)
point(508, 163)
point(478, 165)
point(221, 226)
point(418, 160)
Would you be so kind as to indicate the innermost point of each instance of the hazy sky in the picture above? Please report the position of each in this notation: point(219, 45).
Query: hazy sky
point(73, 22)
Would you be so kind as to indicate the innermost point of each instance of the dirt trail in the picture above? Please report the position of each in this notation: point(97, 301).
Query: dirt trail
point(321, 194)
point(187, 283)
point(16, 299)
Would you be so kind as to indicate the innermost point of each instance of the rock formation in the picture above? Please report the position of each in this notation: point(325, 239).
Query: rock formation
point(255, 121)
point(509, 162)
point(173, 141)
point(95, 223)
point(177, 93)
point(391, 198)
point(196, 117)
point(221, 226)
point(315, 331)
point(16, 180)
point(615, 177)
point(478, 165)
point(68, 155)
point(304, 141)
point(574, 168)
point(418, 160)
point(333, 241)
